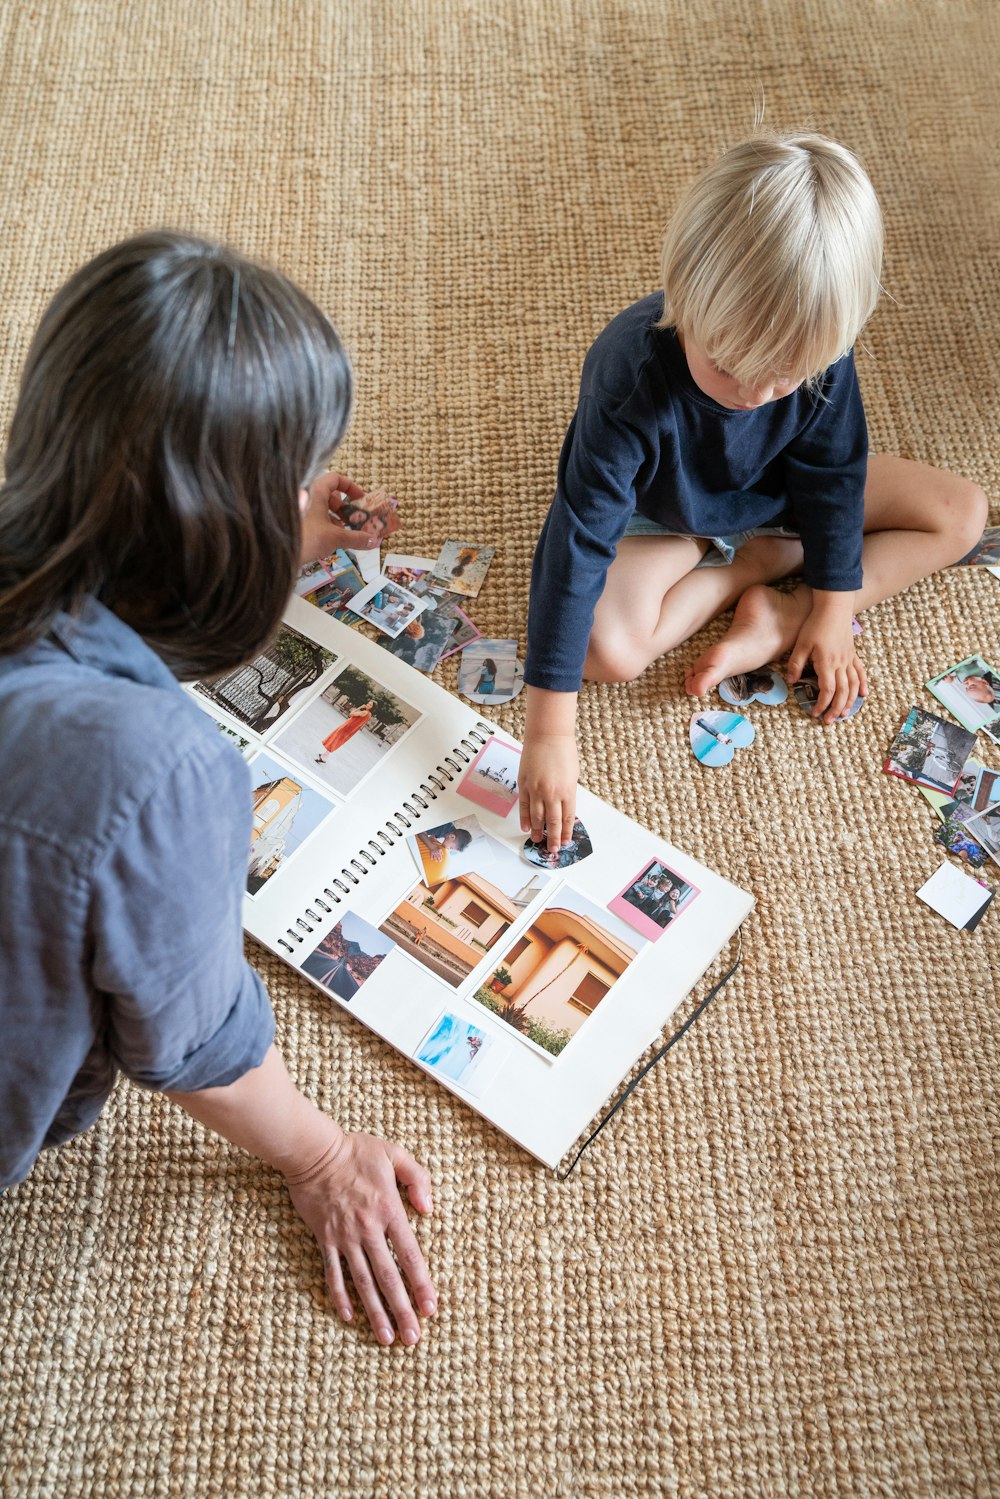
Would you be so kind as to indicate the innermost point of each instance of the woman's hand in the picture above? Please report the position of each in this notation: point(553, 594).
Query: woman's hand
point(322, 530)
point(826, 638)
point(345, 1187)
point(350, 1200)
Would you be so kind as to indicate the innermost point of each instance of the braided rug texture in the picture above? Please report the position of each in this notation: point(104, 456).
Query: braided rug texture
point(777, 1272)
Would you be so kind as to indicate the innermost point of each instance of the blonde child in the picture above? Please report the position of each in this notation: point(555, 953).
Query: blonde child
point(720, 444)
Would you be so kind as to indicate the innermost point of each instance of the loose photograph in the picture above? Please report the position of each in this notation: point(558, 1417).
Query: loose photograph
point(335, 594)
point(579, 847)
point(285, 812)
point(473, 889)
point(387, 606)
point(970, 691)
point(715, 737)
point(315, 574)
point(347, 730)
point(461, 566)
point(559, 972)
point(489, 671)
point(374, 513)
point(347, 957)
point(986, 552)
point(929, 752)
point(491, 780)
point(985, 828)
point(423, 641)
point(953, 834)
point(461, 1052)
point(261, 693)
point(465, 630)
point(806, 694)
point(766, 685)
point(653, 899)
point(405, 569)
point(973, 785)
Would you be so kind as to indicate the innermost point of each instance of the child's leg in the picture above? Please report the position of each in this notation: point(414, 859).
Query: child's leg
point(917, 520)
point(654, 598)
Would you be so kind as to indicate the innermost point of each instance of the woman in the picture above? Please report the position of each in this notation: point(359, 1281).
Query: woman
point(353, 723)
point(165, 481)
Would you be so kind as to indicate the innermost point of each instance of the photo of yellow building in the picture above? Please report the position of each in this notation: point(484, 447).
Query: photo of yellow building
point(452, 928)
point(559, 971)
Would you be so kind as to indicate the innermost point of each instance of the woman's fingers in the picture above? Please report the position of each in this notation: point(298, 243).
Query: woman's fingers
point(364, 1284)
point(413, 1266)
point(335, 1283)
point(390, 1281)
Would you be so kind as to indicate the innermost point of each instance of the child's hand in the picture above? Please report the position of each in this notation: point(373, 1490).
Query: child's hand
point(322, 531)
point(547, 777)
point(826, 638)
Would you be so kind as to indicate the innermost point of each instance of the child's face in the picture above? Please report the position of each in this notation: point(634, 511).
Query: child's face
point(725, 389)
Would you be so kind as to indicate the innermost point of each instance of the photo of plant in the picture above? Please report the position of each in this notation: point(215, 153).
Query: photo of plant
point(347, 730)
point(261, 693)
point(557, 973)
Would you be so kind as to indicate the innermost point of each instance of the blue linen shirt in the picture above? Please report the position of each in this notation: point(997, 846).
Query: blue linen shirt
point(645, 438)
point(124, 835)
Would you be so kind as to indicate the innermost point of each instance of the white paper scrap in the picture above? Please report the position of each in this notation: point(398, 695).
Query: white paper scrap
point(956, 896)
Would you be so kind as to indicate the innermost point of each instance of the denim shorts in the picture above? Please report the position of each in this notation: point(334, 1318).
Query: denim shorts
point(721, 549)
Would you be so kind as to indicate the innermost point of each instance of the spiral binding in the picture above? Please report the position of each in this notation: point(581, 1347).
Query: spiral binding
point(384, 838)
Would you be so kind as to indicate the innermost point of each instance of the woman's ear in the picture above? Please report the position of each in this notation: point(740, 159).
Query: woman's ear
point(303, 501)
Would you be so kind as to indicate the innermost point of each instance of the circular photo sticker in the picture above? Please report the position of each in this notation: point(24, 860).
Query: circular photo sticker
point(579, 847)
point(806, 693)
point(490, 671)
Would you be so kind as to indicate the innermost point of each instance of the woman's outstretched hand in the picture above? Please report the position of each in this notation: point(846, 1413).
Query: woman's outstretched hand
point(350, 1200)
point(345, 1187)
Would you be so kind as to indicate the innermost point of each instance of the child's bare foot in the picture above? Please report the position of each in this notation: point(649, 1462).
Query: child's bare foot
point(765, 626)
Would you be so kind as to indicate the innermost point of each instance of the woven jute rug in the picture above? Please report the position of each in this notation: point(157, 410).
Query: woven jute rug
point(777, 1270)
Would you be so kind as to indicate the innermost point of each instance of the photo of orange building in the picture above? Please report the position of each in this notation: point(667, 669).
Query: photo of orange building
point(452, 928)
point(560, 970)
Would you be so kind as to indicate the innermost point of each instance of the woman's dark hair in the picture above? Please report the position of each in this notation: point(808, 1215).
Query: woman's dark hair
point(490, 666)
point(175, 399)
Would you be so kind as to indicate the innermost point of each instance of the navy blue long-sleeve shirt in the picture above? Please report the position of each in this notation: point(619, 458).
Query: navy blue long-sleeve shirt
point(645, 438)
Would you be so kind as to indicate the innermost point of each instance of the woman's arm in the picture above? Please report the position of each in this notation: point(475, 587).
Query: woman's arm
point(345, 1187)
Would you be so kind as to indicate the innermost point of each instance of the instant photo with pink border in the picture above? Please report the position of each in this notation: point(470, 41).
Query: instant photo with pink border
point(491, 779)
point(653, 899)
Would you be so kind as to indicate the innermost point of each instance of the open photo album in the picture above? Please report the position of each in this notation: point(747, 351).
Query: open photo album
point(387, 865)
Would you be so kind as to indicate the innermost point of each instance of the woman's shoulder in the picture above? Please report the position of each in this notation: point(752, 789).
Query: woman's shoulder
point(85, 748)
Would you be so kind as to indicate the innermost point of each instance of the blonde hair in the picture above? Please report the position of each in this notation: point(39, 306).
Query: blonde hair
point(771, 260)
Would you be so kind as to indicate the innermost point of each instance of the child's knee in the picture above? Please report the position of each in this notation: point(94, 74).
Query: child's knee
point(614, 660)
point(971, 510)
